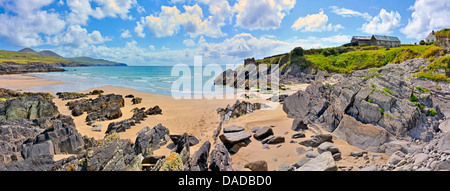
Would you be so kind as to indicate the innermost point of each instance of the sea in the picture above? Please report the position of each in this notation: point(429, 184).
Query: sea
point(166, 80)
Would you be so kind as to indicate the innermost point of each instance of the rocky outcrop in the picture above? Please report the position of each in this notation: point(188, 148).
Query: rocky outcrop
point(238, 109)
point(28, 107)
point(13, 68)
point(61, 137)
point(93, 105)
point(220, 159)
point(370, 108)
point(70, 95)
point(149, 140)
point(323, 162)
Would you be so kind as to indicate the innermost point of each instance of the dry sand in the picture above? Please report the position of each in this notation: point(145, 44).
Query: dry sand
point(24, 82)
point(199, 117)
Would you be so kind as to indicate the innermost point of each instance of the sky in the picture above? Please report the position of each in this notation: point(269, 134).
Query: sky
point(158, 32)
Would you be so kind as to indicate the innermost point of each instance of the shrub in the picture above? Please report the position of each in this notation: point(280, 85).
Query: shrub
point(413, 98)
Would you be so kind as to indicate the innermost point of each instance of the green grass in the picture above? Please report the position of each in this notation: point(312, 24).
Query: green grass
point(431, 112)
point(444, 33)
point(363, 59)
point(27, 58)
point(413, 98)
point(388, 91)
point(431, 72)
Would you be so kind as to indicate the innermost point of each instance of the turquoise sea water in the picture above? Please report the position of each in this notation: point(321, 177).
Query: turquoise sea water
point(154, 79)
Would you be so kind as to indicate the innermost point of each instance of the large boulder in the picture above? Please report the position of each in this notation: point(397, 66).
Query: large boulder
point(220, 159)
point(364, 136)
point(199, 161)
point(149, 140)
point(316, 140)
point(323, 162)
point(95, 105)
point(235, 137)
point(31, 107)
point(111, 154)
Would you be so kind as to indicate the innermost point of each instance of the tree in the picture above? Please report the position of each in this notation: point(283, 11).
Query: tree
point(422, 42)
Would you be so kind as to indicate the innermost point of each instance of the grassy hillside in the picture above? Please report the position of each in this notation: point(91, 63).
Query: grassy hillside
point(444, 33)
point(26, 58)
point(88, 60)
point(438, 70)
point(348, 59)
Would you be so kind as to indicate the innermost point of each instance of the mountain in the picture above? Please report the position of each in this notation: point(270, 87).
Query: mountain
point(28, 55)
point(49, 53)
point(27, 50)
point(97, 62)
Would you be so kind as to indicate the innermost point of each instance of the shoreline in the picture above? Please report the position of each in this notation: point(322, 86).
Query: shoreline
point(197, 117)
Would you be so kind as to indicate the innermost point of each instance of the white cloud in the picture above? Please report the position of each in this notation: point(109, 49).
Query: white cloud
point(314, 42)
point(350, 13)
point(81, 10)
point(151, 47)
point(125, 34)
point(28, 23)
point(315, 23)
point(427, 15)
point(189, 42)
point(383, 23)
point(139, 30)
point(170, 20)
point(240, 46)
point(76, 36)
point(262, 14)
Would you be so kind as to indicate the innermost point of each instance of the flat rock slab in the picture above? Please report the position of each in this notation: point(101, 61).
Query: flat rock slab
point(263, 132)
point(232, 129)
point(235, 137)
point(323, 162)
point(445, 126)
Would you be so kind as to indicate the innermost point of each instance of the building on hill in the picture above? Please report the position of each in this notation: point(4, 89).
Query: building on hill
point(431, 37)
point(375, 40)
point(386, 41)
point(360, 40)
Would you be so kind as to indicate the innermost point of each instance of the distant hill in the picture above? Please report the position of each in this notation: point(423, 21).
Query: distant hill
point(28, 55)
point(49, 53)
point(27, 50)
point(97, 62)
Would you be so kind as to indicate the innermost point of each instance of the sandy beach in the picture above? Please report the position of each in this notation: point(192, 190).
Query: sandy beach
point(199, 118)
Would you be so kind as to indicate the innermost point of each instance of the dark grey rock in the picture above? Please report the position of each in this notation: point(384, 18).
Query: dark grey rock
point(148, 141)
point(316, 140)
point(263, 132)
point(220, 159)
point(298, 125)
point(232, 129)
point(199, 161)
point(233, 138)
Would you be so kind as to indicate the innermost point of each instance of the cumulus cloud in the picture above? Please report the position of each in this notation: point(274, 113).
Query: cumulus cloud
point(78, 37)
point(125, 34)
point(350, 13)
point(262, 14)
point(427, 15)
point(189, 42)
point(384, 23)
point(315, 23)
point(240, 46)
point(82, 10)
point(25, 26)
point(170, 21)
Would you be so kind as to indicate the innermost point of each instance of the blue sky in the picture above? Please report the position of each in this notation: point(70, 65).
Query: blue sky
point(157, 32)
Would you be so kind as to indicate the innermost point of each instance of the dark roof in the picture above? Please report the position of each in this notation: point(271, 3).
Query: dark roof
point(386, 38)
point(362, 37)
